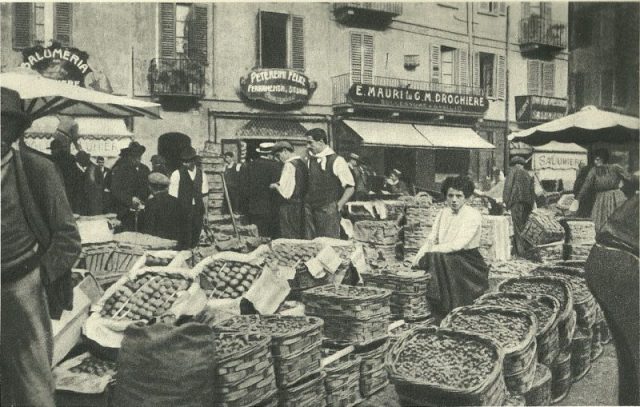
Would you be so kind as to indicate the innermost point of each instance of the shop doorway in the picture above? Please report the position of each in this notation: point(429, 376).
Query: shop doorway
point(170, 145)
point(404, 160)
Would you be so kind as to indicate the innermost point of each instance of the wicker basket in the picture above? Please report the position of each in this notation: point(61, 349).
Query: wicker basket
point(546, 253)
point(541, 229)
point(416, 391)
point(566, 330)
point(575, 251)
point(402, 327)
point(96, 256)
point(579, 231)
point(540, 392)
point(520, 360)
point(363, 210)
point(309, 391)
point(379, 232)
point(253, 358)
point(410, 307)
point(346, 301)
point(256, 387)
point(373, 381)
point(377, 252)
point(342, 381)
point(581, 353)
point(372, 355)
point(560, 377)
point(596, 343)
point(349, 331)
point(405, 283)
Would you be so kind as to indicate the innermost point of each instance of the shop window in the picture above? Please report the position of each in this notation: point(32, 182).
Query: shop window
point(361, 58)
point(183, 31)
point(451, 163)
point(494, 8)
point(280, 41)
point(541, 78)
point(41, 23)
point(450, 68)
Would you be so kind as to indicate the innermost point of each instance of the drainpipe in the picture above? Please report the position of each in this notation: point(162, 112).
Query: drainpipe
point(506, 96)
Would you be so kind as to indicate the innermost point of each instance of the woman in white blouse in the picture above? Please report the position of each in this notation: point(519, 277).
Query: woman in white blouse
point(458, 271)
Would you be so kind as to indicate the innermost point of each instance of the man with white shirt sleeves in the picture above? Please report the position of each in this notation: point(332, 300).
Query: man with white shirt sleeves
point(189, 185)
point(291, 187)
point(459, 273)
point(330, 186)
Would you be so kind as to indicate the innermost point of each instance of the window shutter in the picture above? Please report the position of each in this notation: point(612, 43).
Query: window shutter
point(476, 70)
point(22, 25)
point(198, 33)
point(167, 30)
point(297, 43)
point(548, 78)
point(367, 61)
point(63, 23)
point(484, 6)
point(435, 63)
point(533, 77)
point(502, 8)
point(500, 76)
point(545, 10)
point(526, 9)
point(356, 58)
point(463, 67)
point(259, 39)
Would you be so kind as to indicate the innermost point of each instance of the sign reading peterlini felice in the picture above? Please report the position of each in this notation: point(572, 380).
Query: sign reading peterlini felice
point(277, 86)
point(57, 62)
point(427, 100)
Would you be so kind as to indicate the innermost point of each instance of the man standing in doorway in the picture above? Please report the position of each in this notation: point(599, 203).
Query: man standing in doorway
point(330, 187)
point(292, 187)
point(189, 184)
point(518, 197)
point(262, 202)
point(359, 176)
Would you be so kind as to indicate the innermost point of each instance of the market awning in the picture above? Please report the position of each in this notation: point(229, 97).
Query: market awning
point(388, 134)
point(557, 147)
point(88, 127)
point(276, 129)
point(453, 137)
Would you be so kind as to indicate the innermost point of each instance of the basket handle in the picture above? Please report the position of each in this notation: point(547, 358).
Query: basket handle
point(330, 359)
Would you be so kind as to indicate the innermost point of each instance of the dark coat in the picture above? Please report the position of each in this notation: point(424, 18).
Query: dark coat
point(127, 182)
point(259, 174)
point(72, 178)
point(518, 188)
point(161, 216)
point(91, 192)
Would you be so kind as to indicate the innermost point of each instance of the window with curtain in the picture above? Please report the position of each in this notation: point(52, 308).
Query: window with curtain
point(183, 31)
point(280, 41)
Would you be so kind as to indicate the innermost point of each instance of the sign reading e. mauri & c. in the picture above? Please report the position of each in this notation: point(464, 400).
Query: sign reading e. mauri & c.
point(415, 99)
point(277, 86)
point(58, 62)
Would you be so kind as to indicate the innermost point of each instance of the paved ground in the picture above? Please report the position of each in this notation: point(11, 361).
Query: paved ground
point(599, 387)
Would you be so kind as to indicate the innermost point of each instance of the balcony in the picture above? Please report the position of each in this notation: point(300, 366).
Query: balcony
point(541, 35)
point(535, 109)
point(405, 94)
point(366, 14)
point(176, 77)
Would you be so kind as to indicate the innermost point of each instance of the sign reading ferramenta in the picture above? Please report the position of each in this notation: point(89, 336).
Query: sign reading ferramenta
point(277, 86)
point(404, 98)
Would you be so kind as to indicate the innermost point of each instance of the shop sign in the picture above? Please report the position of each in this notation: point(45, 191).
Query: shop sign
point(533, 108)
point(558, 161)
point(59, 63)
point(277, 86)
point(105, 147)
point(407, 98)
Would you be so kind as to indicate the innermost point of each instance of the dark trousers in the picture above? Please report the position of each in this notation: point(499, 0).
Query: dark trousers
point(190, 229)
point(520, 215)
point(292, 220)
point(26, 344)
point(322, 221)
point(266, 223)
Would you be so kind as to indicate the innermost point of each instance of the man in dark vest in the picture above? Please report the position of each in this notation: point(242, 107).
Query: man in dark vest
point(262, 202)
point(189, 185)
point(359, 176)
point(330, 187)
point(160, 217)
point(292, 188)
point(40, 244)
point(130, 185)
point(232, 173)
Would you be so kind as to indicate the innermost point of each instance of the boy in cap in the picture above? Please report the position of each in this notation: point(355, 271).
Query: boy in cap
point(394, 185)
point(40, 244)
point(160, 217)
point(292, 187)
point(190, 187)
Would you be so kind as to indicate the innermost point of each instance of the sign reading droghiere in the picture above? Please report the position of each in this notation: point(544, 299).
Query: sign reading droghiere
point(58, 62)
point(417, 99)
point(277, 86)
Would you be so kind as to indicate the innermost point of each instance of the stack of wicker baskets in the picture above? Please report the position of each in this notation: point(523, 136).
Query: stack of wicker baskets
point(244, 370)
point(546, 235)
point(421, 215)
point(342, 381)
point(213, 166)
point(380, 237)
point(580, 238)
point(373, 376)
point(295, 348)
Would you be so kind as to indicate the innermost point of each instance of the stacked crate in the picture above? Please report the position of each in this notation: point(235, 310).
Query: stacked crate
point(380, 238)
point(546, 235)
point(213, 166)
point(580, 236)
point(421, 215)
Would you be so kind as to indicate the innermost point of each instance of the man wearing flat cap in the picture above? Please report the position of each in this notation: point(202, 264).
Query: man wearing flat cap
point(130, 185)
point(189, 186)
point(39, 243)
point(518, 197)
point(359, 176)
point(292, 187)
point(160, 216)
point(262, 202)
point(394, 185)
point(331, 185)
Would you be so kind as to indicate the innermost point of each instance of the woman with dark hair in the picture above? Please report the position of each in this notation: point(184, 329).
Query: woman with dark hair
point(603, 181)
point(459, 273)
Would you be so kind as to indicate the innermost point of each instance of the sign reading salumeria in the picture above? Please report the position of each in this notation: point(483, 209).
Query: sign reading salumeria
point(57, 62)
point(558, 161)
point(417, 99)
point(277, 86)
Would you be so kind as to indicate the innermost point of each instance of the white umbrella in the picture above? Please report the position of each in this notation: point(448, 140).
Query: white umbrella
point(42, 97)
point(587, 126)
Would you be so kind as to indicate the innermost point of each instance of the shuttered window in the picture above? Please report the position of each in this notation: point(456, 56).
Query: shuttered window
point(63, 23)
point(541, 78)
point(183, 31)
point(463, 68)
point(548, 78)
point(167, 30)
point(434, 58)
point(361, 58)
point(493, 7)
point(501, 77)
point(490, 74)
point(534, 77)
point(280, 41)
point(197, 49)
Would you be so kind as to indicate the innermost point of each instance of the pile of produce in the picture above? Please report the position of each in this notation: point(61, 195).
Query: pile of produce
point(160, 261)
point(149, 295)
point(228, 279)
point(290, 254)
point(144, 240)
point(542, 228)
point(94, 366)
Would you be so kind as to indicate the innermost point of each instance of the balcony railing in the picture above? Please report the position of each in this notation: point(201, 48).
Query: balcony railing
point(387, 8)
point(537, 33)
point(342, 83)
point(372, 15)
point(176, 77)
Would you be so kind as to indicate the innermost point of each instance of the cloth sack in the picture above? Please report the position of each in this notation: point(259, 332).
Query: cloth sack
point(165, 365)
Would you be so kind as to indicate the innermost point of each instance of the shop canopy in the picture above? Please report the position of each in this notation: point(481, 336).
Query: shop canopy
point(272, 129)
point(587, 126)
point(521, 148)
point(88, 127)
point(416, 136)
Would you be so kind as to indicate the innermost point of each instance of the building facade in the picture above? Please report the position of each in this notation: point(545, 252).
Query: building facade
point(440, 83)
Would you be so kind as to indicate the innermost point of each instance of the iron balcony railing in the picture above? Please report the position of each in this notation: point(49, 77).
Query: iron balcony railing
point(342, 83)
point(176, 77)
point(536, 32)
point(387, 8)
